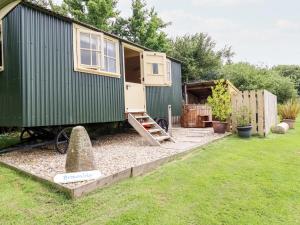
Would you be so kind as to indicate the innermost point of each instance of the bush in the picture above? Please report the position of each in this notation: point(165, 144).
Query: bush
point(220, 101)
point(290, 71)
point(249, 77)
point(289, 110)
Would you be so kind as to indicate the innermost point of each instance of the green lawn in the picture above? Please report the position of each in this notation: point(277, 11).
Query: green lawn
point(232, 181)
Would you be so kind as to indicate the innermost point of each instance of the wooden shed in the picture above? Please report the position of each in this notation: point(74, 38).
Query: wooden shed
point(196, 112)
point(56, 71)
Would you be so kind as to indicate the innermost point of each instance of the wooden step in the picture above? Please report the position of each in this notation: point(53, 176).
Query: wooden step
point(162, 138)
point(148, 128)
point(147, 123)
point(142, 117)
point(154, 130)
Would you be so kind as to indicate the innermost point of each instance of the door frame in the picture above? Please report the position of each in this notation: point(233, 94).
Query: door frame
point(140, 50)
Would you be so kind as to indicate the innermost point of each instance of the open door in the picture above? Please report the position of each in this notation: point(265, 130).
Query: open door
point(155, 69)
point(135, 96)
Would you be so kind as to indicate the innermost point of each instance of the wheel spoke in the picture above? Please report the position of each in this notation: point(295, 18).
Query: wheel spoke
point(65, 135)
point(62, 142)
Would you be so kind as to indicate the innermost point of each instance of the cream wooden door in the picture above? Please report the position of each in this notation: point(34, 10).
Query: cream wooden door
point(155, 69)
point(135, 97)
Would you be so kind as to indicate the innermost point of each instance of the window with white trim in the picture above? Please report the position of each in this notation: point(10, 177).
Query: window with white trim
point(1, 47)
point(95, 53)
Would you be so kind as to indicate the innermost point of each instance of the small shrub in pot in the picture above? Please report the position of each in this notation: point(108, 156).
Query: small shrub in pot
point(289, 112)
point(244, 126)
point(220, 102)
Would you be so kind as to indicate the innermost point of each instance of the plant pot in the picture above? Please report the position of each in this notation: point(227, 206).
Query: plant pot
point(219, 127)
point(290, 122)
point(244, 132)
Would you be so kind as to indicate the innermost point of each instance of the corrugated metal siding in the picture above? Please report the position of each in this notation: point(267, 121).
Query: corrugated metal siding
point(158, 98)
point(53, 93)
point(10, 78)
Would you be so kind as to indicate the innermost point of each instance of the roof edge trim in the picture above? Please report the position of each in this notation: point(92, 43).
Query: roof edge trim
point(7, 6)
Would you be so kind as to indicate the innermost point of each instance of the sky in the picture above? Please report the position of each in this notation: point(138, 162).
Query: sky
point(262, 32)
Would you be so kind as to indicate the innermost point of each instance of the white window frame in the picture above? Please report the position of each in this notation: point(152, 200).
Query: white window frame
point(2, 50)
point(169, 72)
point(116, 42)
point(97, 70)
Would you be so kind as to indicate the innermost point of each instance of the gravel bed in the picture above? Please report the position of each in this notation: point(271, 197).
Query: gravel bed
point(113, 153)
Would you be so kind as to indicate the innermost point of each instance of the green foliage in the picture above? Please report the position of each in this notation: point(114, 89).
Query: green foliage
point(289, 110)
point(49, 4)
point(98, 13)
point(199, 56)
point(249, 77)
point(292, 72)
point(220, 101)
point(143, 27)
point(243, 116)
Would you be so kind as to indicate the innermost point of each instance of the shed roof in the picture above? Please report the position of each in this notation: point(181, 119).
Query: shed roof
point(202, 87)
point(4, 3)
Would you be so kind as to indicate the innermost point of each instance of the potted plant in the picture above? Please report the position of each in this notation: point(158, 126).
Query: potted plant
point(220, 102)
point(289, 112)
point(244, 126)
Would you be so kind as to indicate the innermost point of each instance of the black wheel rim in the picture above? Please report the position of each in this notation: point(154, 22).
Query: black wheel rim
point(163, 124)
point(62, 140)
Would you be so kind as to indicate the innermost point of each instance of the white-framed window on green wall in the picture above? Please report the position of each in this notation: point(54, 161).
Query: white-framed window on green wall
point(95, 52)
point(1, 47)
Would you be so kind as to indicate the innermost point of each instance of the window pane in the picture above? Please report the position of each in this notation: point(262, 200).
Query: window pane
point(106, 64)
point(110, 49)
point(155, 68)
point(94, 41)
point(85, 56)
point(84, 40)
point(112, 65)
point(96, 59)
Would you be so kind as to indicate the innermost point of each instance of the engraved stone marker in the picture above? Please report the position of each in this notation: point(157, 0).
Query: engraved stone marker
point(80, 152)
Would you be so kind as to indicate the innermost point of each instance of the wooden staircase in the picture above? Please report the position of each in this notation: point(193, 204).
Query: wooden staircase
point(148, 128)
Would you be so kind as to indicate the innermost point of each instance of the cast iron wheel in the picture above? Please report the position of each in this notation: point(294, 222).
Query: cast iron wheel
point(62, 140)
point(26, 135)
point(163, 124)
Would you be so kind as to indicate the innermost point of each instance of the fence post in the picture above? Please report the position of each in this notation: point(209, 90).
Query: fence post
point(170, 119)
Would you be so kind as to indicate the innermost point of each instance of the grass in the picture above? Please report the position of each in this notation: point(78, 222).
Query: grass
point(232, 181)
point(9, 139)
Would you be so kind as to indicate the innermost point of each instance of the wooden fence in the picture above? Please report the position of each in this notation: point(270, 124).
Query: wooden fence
point(263, 107)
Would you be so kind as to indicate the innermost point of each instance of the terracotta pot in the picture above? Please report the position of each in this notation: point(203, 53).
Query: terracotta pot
point(290, 122)
point(219, 127)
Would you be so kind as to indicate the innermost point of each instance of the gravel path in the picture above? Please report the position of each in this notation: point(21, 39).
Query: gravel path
point(113, 153)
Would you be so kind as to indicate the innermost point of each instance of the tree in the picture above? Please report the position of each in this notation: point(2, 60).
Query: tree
point(227, 54)
point(49, 4)
point(144, 27)
point(220, 101)
point(199, 56)
point(291, 71)
point(98, 13)
point(249, 77)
